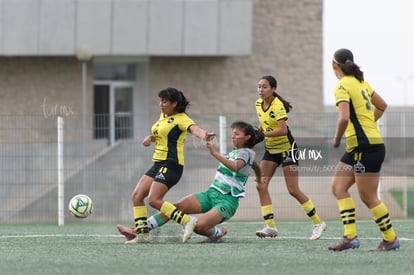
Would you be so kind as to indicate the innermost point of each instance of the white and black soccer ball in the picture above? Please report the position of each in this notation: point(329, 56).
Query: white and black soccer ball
point(80, 206)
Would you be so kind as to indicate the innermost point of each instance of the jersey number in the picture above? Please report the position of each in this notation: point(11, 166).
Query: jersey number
point(368, 103)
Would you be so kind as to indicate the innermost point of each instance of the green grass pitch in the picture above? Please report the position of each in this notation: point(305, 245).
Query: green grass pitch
point(82, 247)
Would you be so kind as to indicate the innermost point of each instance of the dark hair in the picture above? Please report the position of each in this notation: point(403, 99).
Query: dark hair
point(256, 135)
point(273, 83)
point(345, 60)
point(174, 95)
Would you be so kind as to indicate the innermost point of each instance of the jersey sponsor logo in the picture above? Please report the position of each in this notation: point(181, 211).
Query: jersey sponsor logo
point(289, 160)
point(272, 114)
point(341, 88)
point(160, 176)
point(359, 167)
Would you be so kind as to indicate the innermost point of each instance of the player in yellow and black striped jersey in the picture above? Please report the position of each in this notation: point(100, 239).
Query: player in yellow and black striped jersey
point(280, 147)
point(269, 121)
point(362, 131)
point(168, 134)
point(359, 108)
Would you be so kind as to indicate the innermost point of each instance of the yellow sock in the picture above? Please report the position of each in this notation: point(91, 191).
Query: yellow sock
point(140, 217)
point(172, 212)
point(347, 210)
point(267, 212)
point(310, 210)
point(383, 221)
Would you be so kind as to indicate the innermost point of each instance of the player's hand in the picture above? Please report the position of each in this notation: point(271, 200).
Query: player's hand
point(147, 141)
point(211, 147)
point(209, 136)
point(336, 142)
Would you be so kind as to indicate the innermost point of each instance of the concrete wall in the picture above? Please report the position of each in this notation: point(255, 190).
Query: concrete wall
point(287, 43)
point(125, 27)
point(42, 88)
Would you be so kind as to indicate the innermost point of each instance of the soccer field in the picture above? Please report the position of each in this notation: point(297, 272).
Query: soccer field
point(89, 248)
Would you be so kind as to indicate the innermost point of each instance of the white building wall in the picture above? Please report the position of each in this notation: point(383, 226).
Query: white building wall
point(56, 28)
point(130, 27)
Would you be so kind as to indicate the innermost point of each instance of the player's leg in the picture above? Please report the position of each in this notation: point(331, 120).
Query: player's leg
point(367, 185)
point(367, 175)
point(188, 205)
point(207, 226)
point(221, 207)
point(268, 169)
point(291, 175)
point(140, 233)
point(155, 199)
point(342, 180)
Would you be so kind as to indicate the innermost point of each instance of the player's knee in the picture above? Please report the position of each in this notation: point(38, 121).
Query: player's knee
point(155, 203)
point(337, 191)
point(293, 193)
point(261, 187)
point(136, 198)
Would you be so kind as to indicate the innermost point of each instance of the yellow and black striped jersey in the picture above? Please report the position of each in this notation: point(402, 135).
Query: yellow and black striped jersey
point(269, 122)
point(362, 129)
point(169, 133)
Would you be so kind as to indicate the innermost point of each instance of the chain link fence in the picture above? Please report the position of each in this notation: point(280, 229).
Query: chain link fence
point(108, 172)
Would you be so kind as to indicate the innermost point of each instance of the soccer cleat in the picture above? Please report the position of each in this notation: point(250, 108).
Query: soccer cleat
point(317, 231)
point(345, 243)
point(217, 239)
point(139, 239)
point(267, 232)
point(189, 228)
point(127, 232)
point(386, 246)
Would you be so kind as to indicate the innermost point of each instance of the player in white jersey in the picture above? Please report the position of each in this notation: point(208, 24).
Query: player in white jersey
point(220, 201)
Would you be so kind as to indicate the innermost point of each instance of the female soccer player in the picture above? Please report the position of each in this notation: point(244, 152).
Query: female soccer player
point(359, 108)
point(272, 112)
point(221, 200)
point(168, 133)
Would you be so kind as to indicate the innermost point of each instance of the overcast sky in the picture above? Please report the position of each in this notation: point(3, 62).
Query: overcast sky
point(380, 33)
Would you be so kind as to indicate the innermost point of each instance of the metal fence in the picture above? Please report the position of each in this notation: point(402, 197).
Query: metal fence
point(33, 162)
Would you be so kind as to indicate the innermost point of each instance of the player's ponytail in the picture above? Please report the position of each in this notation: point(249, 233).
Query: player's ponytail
point(345, 60)
point(259, 136)
point(286, 103)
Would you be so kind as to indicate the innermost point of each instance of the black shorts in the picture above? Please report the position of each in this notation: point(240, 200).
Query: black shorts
point(166, 172)
point(285, 158)
point(366, 160)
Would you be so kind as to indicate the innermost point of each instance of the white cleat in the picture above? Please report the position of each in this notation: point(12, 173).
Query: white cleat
point(317, 231)
point(267, 232)
point(189, 228)
point(139, 239)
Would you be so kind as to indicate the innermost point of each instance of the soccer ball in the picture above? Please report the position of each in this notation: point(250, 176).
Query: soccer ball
point(80, 206)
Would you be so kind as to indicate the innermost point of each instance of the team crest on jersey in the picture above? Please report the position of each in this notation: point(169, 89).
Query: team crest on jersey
point(171, 120)
point(272, 114)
